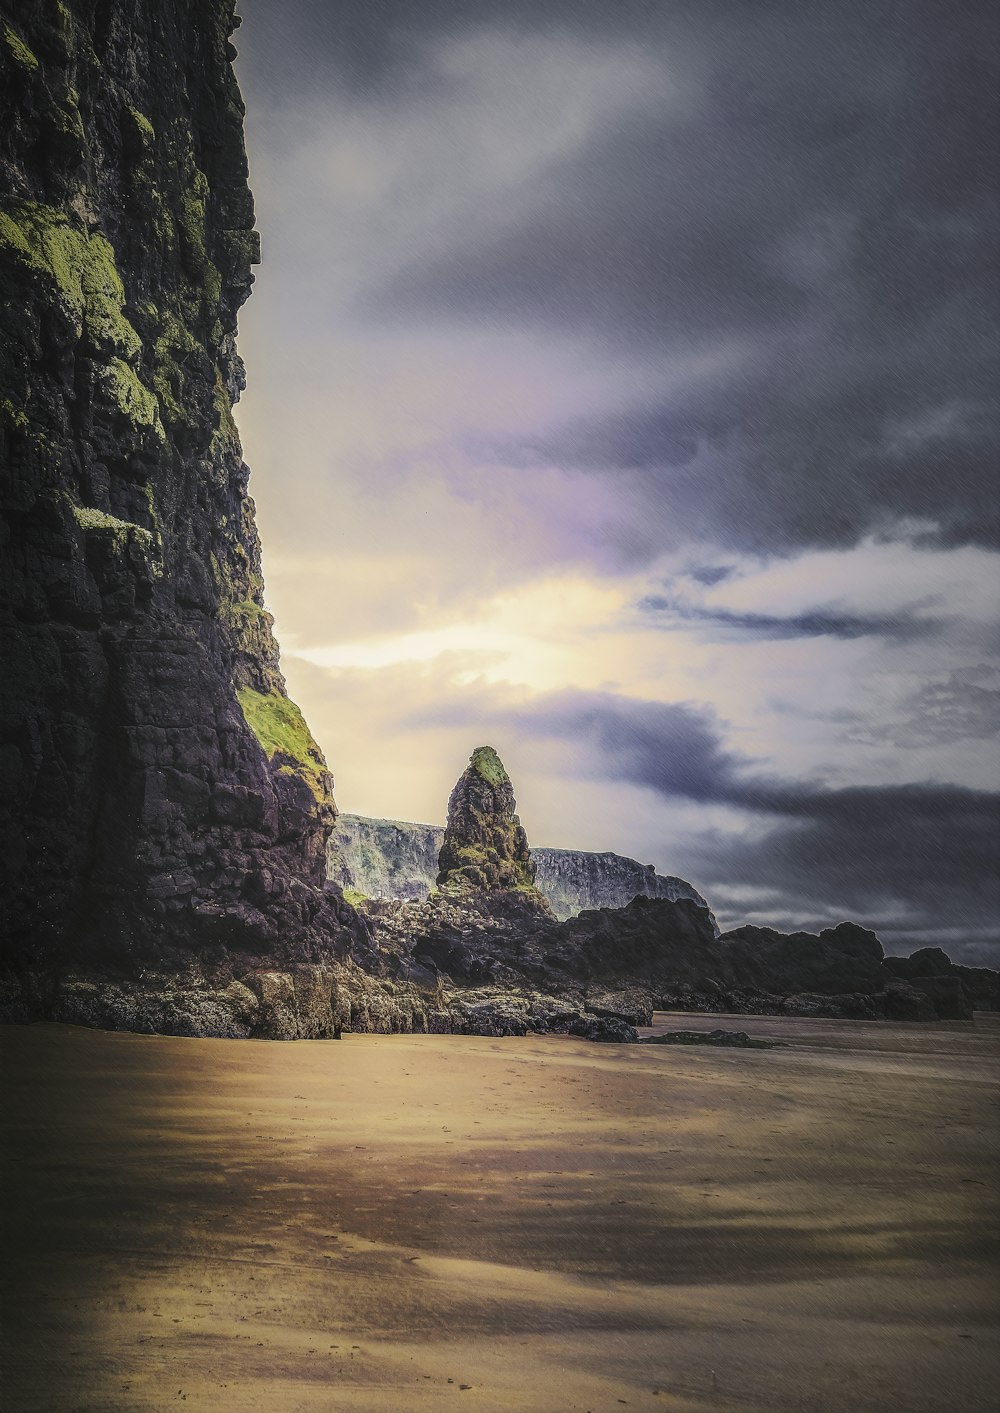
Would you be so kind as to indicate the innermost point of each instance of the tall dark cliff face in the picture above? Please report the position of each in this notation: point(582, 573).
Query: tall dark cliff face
point(161, 793)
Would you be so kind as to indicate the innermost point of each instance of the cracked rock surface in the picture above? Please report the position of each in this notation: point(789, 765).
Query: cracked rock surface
point(164, 805)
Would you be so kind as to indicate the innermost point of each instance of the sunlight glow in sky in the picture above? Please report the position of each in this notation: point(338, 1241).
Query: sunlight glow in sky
point(621, 393)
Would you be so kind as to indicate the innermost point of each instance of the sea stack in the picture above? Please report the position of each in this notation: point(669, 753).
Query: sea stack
point(485, 847)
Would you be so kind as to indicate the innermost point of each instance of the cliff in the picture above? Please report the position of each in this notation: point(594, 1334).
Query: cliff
point(573, 881)
point(163, 802)
point(384, 858)
point(389, 858)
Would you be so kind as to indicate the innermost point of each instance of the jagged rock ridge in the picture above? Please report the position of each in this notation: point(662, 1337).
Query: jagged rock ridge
point(391, 858)
point(163, 800)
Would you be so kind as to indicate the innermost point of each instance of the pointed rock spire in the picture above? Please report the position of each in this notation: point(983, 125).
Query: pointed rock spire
point(485, 846)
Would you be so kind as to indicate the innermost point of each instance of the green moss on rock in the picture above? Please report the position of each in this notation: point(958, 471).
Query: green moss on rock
point(121, 530)
point(174, 344)
point(285, 738)
point(191, 223)
point(488, 764)
point(148, 199)
point(65, 118)
point(82, 276)
point(132, 397)
point(142, 128)
point(81, 268)
point(226, 434)
point(18, 50)
point(245, 613)
point(15, 415)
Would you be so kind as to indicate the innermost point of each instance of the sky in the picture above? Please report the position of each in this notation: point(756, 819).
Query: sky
point(622, 395)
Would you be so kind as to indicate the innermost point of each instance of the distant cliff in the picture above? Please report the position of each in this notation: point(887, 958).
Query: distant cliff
point(384, 858)
point(573, 880)
point(390, 858)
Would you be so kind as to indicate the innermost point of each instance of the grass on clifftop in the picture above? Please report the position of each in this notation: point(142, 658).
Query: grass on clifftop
point(282, 732)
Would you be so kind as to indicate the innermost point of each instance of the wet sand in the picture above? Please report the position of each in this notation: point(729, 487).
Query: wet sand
point(422, 1223)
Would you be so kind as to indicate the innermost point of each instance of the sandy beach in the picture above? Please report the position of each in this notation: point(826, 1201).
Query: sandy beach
point(422, 1223)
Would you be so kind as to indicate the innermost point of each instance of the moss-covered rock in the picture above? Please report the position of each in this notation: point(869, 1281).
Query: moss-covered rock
point(484, 846)
point(81, 270)
point(151, 816)
point(24, 57)
point(286, 740)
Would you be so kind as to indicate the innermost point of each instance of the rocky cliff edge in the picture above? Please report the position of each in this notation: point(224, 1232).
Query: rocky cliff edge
point(165, 809)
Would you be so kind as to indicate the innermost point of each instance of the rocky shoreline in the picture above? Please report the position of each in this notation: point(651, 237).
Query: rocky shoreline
point(484, 954)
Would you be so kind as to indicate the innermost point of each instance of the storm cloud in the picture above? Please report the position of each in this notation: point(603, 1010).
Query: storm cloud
point(812, 223)
point(830, 622)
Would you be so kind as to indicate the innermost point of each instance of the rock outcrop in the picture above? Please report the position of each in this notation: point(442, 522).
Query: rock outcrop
point(390, 858)
point(737, 1039)
point(163, 800)
point(487, 928)
point(931, 972)
point(660, 955)
point(485, 847)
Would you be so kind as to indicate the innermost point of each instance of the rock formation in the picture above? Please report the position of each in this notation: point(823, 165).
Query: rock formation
point(661, 955)
point(931, 971)
point(484, 845)
point(737, 1039)
point(164, 804)
point(482, 929)
point(390, 858)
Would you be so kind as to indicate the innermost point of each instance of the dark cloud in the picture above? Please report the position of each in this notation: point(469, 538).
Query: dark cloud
point(374, 45)
point(964, 706)
point(781, 454)
point(810, 205)
point(823, 206)
point(674, 749)
point(915, 861)
point(774, 457)
point(829, 622)
point(709, 574)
